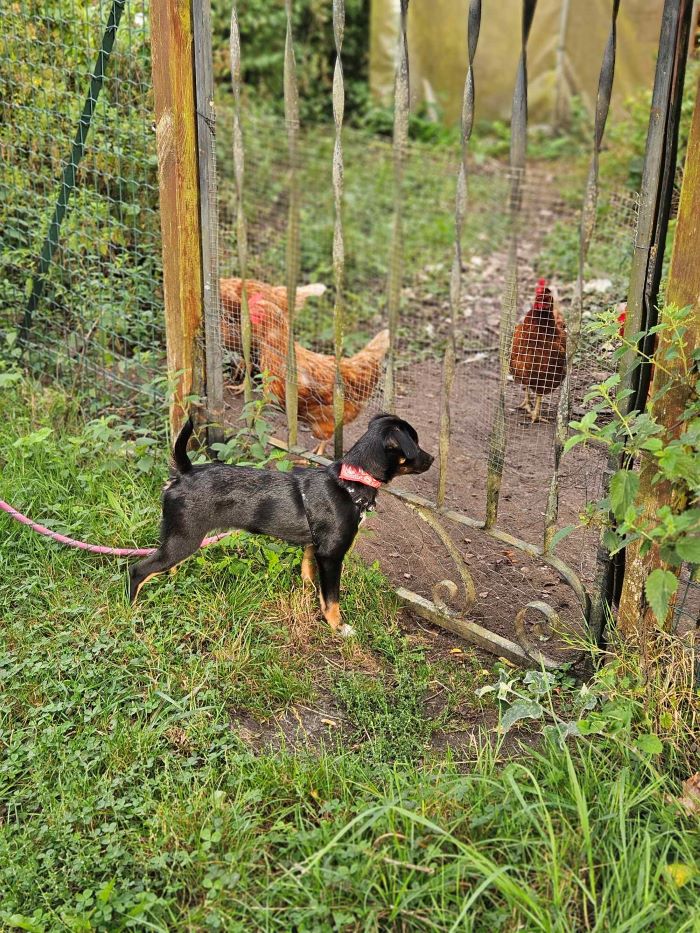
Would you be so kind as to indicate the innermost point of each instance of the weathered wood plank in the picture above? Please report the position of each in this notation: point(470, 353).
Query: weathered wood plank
point(172, 49)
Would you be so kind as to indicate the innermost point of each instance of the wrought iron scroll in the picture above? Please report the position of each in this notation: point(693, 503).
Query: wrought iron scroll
point(429, 517)
point(588, 216)
point(338, 239)
point(518, 145)
point(448, 370)
point(241, 227)
point(401, 106)
point(542, 630)
point(291, 116)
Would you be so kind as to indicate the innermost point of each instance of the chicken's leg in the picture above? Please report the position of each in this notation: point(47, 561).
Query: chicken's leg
point(536, 414)
point(318, 451)
point(525, 404)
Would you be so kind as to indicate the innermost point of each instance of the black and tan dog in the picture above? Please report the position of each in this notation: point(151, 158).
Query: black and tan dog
point(320, 510)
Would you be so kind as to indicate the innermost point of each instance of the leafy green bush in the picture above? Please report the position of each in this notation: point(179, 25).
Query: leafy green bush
point(263, 28)
point(673, 450)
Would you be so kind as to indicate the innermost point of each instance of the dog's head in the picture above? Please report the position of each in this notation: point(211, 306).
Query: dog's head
point(388, 448)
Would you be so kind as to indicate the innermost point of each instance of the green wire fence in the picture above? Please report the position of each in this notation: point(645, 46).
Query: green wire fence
point(80, 258)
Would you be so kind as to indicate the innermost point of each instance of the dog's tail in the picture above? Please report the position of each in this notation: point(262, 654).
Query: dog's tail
point(182, 462)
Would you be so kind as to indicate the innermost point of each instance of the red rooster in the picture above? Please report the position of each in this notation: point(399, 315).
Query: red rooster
point(538, 354)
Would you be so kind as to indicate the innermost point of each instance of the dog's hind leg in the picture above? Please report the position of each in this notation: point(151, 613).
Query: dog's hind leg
point(308, 565)
point(171, 553)
point(329, 569)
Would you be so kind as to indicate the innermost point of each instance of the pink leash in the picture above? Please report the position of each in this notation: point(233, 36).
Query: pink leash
point(93, 548)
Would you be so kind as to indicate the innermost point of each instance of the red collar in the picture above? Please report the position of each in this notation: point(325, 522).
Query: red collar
point(354, 474)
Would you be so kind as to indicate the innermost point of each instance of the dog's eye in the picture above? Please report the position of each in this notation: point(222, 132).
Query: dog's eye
point(402, 459)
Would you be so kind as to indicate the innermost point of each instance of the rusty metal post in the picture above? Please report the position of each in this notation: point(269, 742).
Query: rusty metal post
point(338, 239)
point(241, 228)
point(509, 307)
point(448, 365)
point(401, 108)
point(291, 116)
point(208, 208)
point(588, 216)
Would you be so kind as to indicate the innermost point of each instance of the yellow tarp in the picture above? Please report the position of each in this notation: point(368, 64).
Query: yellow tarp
point(564, 53)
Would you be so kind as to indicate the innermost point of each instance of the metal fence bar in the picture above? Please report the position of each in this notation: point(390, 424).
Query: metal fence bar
point(401, 109)
point(677, 68)
point(338, 239)
point(70, 170)
point(448, 370)
point(206, 145)
point(645, 276)
point(291, 115)
point(518, 146)
point(588, 216)
point(649, 193)
point(670, 397)
point(241, 227)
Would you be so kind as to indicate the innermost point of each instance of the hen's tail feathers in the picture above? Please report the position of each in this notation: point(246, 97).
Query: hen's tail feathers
point(378, 346)
point(182, 462)
point(304, 292)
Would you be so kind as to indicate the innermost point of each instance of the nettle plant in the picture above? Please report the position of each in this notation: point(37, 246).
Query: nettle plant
point(610, 706)
point(251, 443)
point(640, 439)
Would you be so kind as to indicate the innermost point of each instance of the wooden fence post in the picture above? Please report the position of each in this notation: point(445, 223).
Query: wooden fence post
point(172, 47)
point(635, 619)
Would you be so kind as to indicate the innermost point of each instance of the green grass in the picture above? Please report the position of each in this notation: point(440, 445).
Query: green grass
point(133, 797)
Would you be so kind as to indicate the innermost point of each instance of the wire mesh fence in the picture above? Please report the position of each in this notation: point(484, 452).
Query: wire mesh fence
point(80, 262)
point(408, 549)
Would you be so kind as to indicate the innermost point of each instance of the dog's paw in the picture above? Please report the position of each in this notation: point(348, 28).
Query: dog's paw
point(346, 631)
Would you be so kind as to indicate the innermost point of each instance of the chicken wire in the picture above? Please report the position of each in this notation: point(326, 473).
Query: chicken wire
point(98, 324)
point(408, 549)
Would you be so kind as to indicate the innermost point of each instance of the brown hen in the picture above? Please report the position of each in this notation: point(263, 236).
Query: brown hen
point(315, 371)
point(230, 294)
point(538, 355)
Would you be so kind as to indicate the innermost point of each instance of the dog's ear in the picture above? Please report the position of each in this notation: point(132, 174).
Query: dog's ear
point(402, 440)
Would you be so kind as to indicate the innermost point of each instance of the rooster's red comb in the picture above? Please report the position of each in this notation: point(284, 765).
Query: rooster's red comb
point(541, 285)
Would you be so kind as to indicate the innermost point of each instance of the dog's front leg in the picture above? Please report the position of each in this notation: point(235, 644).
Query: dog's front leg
point(329, 568)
